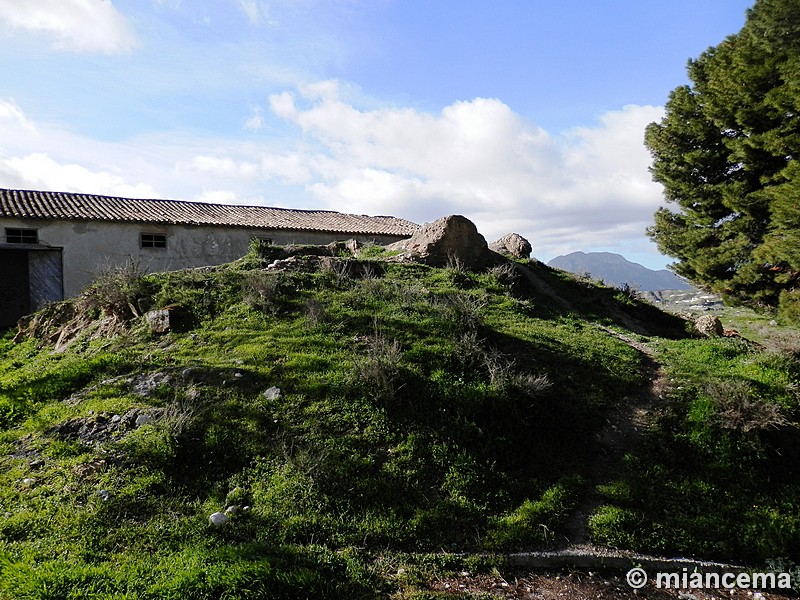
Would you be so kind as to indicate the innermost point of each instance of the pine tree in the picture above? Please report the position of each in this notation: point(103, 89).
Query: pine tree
point(726, 153)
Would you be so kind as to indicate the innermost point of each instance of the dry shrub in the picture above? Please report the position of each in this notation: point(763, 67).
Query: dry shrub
point(506, 274)
point(339, 271)
point(504, 375)
point(116, 291)
point(315, 313)
point(378, 371)
point(261, 291)
point(738, 410)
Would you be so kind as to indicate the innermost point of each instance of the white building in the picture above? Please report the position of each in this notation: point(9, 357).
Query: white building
point(53, 244)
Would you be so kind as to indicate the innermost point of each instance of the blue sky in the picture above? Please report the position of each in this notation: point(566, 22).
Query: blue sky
point(524, 116)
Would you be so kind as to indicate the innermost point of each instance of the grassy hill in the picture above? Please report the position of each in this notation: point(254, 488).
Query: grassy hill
point(367, 423)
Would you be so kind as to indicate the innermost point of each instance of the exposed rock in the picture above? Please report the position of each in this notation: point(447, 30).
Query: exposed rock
point(513, 244)
point(158, 320)
point(98, 429)
point(143, 419)
point(448, 240)
point(218, 519)
point(147, 383)
point(709, 325)
point(272, 393)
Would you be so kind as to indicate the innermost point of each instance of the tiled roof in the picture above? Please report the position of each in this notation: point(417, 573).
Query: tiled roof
point(28, 204)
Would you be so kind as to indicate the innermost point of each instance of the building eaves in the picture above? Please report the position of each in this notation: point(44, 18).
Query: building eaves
point(46, 205)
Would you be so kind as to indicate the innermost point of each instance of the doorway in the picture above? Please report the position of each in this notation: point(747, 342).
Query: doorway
point(29, 279)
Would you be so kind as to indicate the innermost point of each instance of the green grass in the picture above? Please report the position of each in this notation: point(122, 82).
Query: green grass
point(420, 410)
point(722, 458)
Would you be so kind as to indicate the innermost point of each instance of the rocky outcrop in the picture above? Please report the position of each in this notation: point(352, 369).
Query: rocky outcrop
point(446, 241)
point(709, 325)
point(512, 244)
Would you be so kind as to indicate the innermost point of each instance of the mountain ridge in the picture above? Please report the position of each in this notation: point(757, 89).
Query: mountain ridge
point(616, 270)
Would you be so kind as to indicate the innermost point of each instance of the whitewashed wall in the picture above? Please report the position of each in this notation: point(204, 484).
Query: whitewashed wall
point(89, 247)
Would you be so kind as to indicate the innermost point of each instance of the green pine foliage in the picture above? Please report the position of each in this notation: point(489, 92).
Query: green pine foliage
point(726, 154)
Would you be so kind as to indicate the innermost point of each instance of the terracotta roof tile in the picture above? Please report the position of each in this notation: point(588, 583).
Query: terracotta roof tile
point(29, 204)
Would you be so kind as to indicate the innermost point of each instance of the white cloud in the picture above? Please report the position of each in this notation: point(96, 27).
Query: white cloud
point(217, 197)
point(9, 111)
point(255, 121)
point(39, 171)
point(78, 25)
point(256, 12)
point(588, 188)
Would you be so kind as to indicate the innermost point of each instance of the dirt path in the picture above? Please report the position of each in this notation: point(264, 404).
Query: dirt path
point(624, 427)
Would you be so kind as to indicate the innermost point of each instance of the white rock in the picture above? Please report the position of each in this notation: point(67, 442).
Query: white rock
point(272, 393)
point(231, 510)
point(142, 419)
point(28, 481)
point(218, 519)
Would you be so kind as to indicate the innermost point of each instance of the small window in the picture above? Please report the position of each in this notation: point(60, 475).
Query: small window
point(22, 236)
point(154, 240)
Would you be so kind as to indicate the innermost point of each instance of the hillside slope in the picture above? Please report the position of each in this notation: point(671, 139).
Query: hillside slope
point(353, 415)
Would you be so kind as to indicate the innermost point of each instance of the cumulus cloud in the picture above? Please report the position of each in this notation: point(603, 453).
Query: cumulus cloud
point(586, 189)
point(40, 171)
point(589, 187)
point(11, 112)
point(255, 121)
point(77, 25)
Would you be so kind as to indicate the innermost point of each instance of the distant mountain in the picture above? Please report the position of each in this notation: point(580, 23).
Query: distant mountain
point(616, 270)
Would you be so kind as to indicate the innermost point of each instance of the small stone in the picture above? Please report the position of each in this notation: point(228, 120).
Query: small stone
point(158, 320)
point(116, 419)
point(143, 419)
point(272, 393)
point(238, 375)
point(28, 481)
point(245, 509)
point(104, 494)
point(218, 519)
point(231, 510)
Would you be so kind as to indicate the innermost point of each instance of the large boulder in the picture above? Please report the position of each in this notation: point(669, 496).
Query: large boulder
point(709, 325)
point(446, 241)
point(512, 244)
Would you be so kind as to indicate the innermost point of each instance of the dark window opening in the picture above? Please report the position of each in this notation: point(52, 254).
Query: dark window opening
point(153, 240)
point(22, 236)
